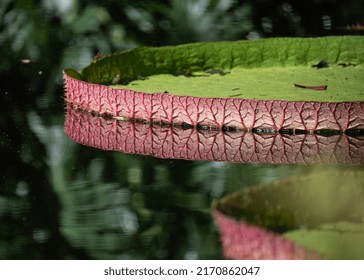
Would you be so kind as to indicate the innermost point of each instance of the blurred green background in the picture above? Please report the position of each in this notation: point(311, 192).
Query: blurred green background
point(59, 200)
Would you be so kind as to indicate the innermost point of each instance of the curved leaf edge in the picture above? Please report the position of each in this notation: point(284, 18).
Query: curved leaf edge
point(146, 61)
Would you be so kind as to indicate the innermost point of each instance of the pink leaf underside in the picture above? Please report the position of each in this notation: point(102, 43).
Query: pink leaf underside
point(241, 240)
point(214, 145)
point(240, 114)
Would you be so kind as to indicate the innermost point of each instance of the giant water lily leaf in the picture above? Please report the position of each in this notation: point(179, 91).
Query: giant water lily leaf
point(243, 84)
point(320, 212)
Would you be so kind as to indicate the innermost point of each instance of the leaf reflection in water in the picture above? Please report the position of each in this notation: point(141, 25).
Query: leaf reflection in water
point(214, 145)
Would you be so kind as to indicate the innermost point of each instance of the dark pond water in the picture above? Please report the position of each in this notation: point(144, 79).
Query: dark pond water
point(63, 200)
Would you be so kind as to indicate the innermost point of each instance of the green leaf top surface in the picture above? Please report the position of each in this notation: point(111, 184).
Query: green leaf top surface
point(344, 84)
point(264, 69)
point(342, 240)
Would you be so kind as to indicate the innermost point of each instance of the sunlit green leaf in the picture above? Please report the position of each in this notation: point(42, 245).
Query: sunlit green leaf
point(264, 69)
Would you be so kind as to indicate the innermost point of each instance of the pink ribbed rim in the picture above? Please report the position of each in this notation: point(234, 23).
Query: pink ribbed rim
point(237, 114)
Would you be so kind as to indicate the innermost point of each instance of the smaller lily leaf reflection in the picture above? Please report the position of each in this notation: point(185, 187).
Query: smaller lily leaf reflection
point(316, 215)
